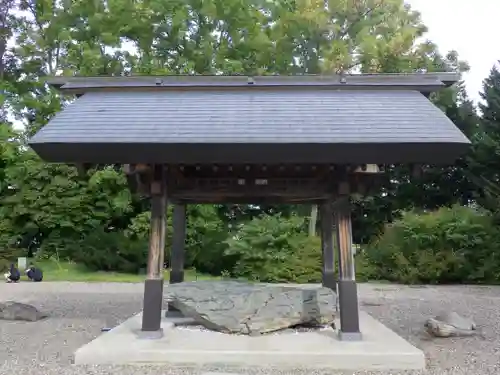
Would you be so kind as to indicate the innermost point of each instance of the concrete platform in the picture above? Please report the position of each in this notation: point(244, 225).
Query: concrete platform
point(381, 348)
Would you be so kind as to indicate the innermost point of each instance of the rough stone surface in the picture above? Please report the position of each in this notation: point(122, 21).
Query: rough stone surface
point(20, 311)
point(450, 324)
point(78, 311)
point(250, 309)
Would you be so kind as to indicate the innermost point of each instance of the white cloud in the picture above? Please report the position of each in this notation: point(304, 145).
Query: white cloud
point(469, 27)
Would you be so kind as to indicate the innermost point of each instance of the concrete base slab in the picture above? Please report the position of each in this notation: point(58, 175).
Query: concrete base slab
point(380, 348)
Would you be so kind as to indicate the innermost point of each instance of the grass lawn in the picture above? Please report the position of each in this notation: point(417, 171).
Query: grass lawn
point(65, 271)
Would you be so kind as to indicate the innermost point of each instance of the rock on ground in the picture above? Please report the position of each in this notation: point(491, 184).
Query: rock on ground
point(247, 308)
point(11, 310)
point(78, 311)
point(450, 324)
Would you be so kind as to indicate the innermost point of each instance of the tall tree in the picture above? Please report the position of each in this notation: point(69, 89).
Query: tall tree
point(485, 159)
point(6, 8)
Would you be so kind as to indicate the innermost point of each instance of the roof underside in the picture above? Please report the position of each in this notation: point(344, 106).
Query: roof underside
point(257, 125)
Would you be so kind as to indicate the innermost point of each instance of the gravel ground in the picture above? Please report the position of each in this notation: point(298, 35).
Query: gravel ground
point(79, 311)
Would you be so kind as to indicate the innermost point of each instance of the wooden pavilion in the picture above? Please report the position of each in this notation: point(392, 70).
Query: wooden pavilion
point(237, 139)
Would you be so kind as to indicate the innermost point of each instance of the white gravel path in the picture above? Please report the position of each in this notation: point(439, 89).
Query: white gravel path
point(79, 311)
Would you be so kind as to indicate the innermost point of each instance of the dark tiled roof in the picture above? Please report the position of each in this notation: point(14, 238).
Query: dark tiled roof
point(251, 116)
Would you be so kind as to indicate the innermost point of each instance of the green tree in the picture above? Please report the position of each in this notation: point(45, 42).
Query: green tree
point(453, 244)
point(485, 159)
point(51, 202)
point(270, 248)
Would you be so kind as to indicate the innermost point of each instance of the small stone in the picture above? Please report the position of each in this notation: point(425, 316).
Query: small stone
point(450, 324)
point(456, 320)
point(252, 309)
point(20, 311)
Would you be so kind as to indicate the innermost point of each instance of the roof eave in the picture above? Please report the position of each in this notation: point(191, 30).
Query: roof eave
point(423, 82)
point(437, 153)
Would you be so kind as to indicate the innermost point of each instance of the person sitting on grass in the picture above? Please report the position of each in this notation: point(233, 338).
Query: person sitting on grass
point(34, 274)
point(13, 275)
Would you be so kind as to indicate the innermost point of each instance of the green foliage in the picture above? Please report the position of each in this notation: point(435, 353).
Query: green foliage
point(274, 249)
point(9, 255)
point(110, 251)
point(205, 235)
point(484, 161)
point(456, 244)
point(205, 240)
point(140, 224)
point(365, 269)
point(51, 202)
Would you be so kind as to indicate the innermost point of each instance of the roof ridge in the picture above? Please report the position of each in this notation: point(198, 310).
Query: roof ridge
point(424, 82)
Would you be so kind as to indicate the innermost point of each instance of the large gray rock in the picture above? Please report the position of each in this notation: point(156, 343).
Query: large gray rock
point(245, 308)
point(20, 311)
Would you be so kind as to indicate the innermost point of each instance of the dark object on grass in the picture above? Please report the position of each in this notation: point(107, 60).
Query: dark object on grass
point(13, 275)
point(20, 311)
point(34, 274)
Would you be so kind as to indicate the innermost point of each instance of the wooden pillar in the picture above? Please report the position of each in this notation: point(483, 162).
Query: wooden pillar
point(348, 294)
point(178, 244)
point(177, 253)
point(153, 285)
point(328, 253)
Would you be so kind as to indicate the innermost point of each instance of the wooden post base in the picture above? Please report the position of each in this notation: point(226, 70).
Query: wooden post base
point(153, 300)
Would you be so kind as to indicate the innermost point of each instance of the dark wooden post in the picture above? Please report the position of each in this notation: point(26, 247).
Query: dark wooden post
point(328, 258)
point(177, 253)
point(178, 243)
point(153, 286)
point(348, 294)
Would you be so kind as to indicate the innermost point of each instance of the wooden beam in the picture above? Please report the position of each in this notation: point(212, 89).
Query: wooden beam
point(348, 297)
point(208, 183)
point(328, 255)
point(177, 253)
point(139, 177)
point(368, 169)
point(253, 170)
point(153, 286)
point(83, 168)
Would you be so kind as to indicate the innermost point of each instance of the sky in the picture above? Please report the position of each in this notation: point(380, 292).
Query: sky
point(469, 27)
